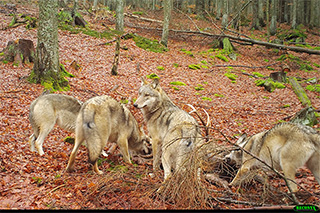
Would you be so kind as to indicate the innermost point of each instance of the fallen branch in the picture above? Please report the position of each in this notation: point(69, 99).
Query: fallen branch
point(247, 40)
point(142, 18)
point(299, 91)
point(244, 66)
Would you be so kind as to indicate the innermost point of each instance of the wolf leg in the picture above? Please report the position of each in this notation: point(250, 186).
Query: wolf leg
point(291, 160)
point(32, 139)
point(156, 152)
point(123, 145)
point(44, 132)
point(314, 165)
point(165, 159)
point(78, 141)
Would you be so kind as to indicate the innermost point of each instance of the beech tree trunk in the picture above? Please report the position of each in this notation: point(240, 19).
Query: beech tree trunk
point(46, 69)
point(119, 27)
point(167, 17)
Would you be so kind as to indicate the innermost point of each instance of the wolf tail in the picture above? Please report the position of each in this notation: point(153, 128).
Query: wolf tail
point(91, 133)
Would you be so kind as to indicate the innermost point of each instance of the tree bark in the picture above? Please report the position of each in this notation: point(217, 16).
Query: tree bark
point(119, 27)
point(167, 17)
point(46, 69)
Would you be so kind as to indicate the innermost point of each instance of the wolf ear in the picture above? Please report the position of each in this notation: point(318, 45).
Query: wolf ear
point(242, 138)
point(155, 83)
point(143, 81)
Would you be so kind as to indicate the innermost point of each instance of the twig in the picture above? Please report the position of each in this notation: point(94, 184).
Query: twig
point(202, 121)
point(236, 16)
point(189, 18)
point(54, 189)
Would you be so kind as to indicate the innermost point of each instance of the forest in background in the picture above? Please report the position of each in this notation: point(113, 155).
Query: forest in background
point(193, 69)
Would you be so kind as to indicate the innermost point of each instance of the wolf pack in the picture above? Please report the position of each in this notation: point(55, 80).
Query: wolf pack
point(172, 132)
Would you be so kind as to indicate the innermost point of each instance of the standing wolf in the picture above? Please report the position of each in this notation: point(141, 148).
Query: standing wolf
point(173, 131)
point(286, 147)
point(46, 111)
point(102, 119)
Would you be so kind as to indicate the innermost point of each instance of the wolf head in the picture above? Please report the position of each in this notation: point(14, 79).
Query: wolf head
point(144, 145)
point(235, 156)
point(149, 96)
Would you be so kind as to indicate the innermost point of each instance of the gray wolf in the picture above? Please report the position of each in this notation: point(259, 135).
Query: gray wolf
point(46, 111)
point(174, 132)
point(102, 119)
point(287, 147)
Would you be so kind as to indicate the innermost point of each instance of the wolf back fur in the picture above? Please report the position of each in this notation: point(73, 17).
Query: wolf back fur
point(286, 147)
point(102, 119)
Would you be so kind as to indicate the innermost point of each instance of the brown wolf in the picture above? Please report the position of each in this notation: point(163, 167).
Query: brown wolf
point(287, 146)
point(173, 131)
point(102, 119)
point(46, 111)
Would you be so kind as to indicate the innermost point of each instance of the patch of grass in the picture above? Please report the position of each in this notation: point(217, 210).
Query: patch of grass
point(313, 88)
point(199, 87)
point(219, 95)
point(189, 53)
point(175, 88)
point(222, 57)
point(149, 45)
point(304, 65)
point(194, 66)
point(177, 83)
point(138, 13)
point(160, 67)
point(231, 76)
point(206, 99)
point(286, 106)
point(152, 76)
point(258, 74)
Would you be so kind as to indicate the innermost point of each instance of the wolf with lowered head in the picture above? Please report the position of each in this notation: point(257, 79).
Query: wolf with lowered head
point(102, 119)
point(286, 147)
point(174, 132)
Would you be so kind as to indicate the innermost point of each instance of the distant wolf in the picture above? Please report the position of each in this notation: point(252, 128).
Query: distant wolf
point(46, 111)
point(286, 147)
point(174, 132)
point(102, 119)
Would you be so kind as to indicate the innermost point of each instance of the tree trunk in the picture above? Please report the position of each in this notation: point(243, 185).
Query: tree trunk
point(119, 27)
point(200, 8)
point(273, 24)
point(225, 16)
point(46, 69)
point(167, 17)
point(294, 15)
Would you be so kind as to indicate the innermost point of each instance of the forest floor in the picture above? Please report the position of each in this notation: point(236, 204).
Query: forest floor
point(29, 181)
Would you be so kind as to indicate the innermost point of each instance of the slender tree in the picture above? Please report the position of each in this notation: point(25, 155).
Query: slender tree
point(46, 69)
point(273, 23)
point(167, 16)
point(119, 28)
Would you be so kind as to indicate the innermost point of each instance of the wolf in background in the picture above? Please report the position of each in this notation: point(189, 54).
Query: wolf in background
point(286, 147)
point(102, 119)
point(174, 132)
point(48, 110)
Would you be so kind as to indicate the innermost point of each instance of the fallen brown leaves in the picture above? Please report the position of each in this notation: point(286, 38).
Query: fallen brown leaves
point(29, 181)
